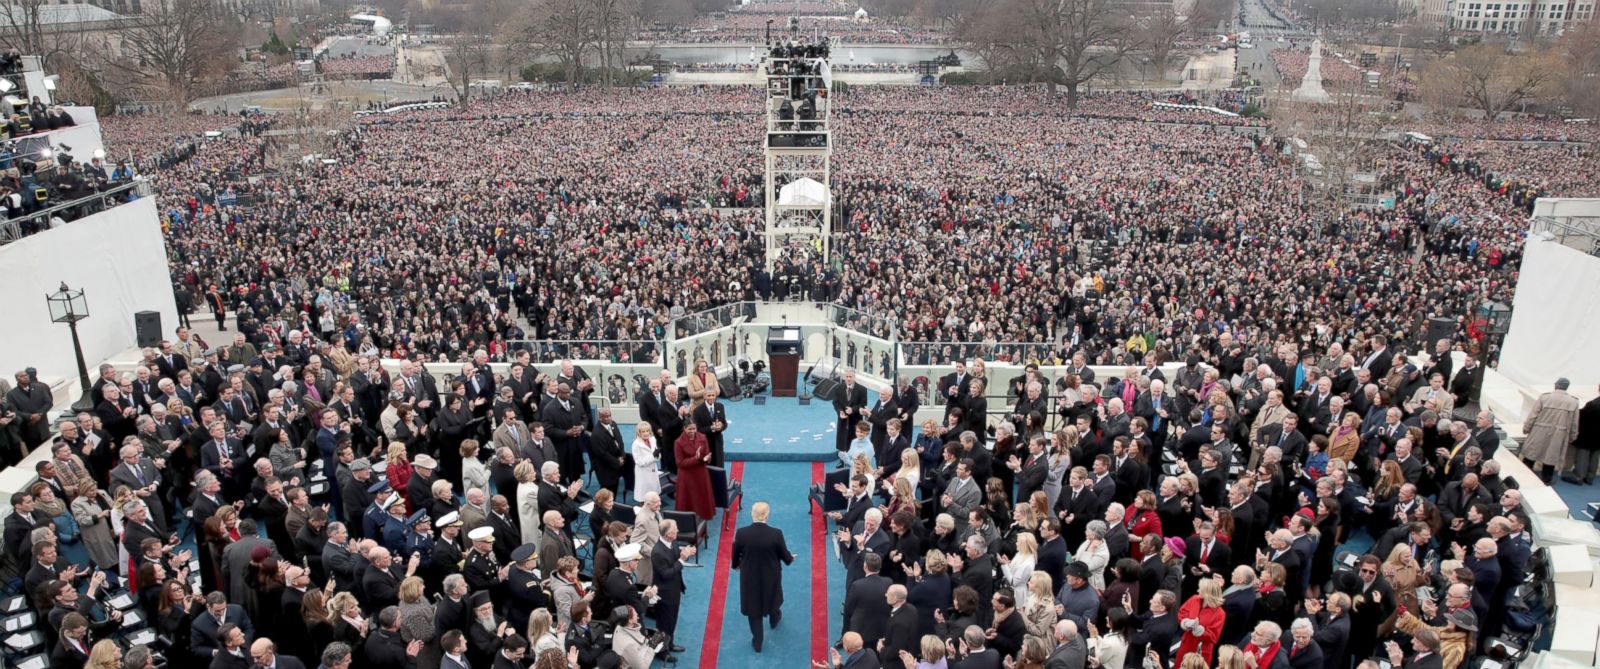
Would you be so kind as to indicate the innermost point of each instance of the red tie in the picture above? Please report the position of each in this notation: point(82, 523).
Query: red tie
point(1205, 552)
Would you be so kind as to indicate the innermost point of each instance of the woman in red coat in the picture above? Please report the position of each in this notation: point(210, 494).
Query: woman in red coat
point(1200, 621)
point(694, 481)
point(1142, 520)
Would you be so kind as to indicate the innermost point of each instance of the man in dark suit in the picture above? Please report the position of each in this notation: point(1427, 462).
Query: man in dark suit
point(866, 604)
point(850, 405)
point(711, 418)
point(901, 632)
point(1286, 437)
point(1177, 519)
point(1156, 629)
point(1052, 553)
point(976, 569)
point(142, 477)
point(1380, 359)
point(607, 453)
point(170, 362)
point(1467, 381)
point(1129, 472)
point(953, 387)
point(1488, 439)
point(1032, 470)
point(1280, 550)
point(230, 648)
point(203, 630)
point(381, 583)
point(979, 655)
point(384, 647)
point(1203, 556)
point(224, 456)
point(564, 424)
point(1152, 571)
point(1332, 623)
point(759, 554)
point(1425, 648)
point(19, 527)
point(856, 545)
point(1154, 407)
point(666, 565)
point(1301, 647)
point(504, 525)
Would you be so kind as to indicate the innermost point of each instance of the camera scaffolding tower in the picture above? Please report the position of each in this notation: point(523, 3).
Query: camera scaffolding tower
point(799, 196)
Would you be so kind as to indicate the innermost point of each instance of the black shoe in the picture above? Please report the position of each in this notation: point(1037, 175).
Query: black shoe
point(775, 618)
point(756, 645)
point(677, 648)
point(1572, 479)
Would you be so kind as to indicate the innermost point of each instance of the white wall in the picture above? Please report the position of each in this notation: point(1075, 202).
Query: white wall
point(117, 257)
point(1554, 318)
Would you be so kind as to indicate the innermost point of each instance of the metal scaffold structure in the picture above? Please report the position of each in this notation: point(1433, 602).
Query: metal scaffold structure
point(799, 145)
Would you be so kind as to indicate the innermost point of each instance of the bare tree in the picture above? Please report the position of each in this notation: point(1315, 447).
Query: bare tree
point(1580, 48)
point(25, 27)
point(1492, 80)
point(564, 29)
point(176, 47)
point(1076, 40)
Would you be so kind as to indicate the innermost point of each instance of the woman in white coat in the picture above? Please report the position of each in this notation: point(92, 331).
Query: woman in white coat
point(527, 499)
point(1019, 567)
point(646, 462)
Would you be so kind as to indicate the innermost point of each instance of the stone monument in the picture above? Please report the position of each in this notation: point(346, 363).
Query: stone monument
point(1310, 89)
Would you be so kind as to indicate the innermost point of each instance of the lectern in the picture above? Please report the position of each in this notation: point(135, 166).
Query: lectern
point(784, 348)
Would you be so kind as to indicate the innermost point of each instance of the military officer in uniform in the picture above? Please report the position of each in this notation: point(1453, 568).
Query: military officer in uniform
point(419, 542)
point(482, 571)
point(373, 519)
point(396, 528)
point(447, 556)
point(526, 590)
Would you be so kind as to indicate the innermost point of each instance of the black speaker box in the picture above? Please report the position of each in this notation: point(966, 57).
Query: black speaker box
point(147, 327)
point(1439, 327)
point(825, 389)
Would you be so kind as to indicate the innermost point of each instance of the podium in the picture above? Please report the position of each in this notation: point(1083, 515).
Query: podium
point(784, 348)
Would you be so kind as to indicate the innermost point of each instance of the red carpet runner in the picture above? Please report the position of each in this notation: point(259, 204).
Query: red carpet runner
point(819, 574)
point(712, 642)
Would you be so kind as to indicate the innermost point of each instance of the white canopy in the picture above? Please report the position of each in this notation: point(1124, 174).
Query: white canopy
point(380, 25)
point(804, 192)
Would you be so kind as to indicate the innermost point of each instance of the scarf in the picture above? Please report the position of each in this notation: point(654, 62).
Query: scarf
point(1236, 588)
point(1264, 656)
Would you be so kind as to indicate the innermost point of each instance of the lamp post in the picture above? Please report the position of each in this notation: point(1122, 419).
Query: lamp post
point(69, 306)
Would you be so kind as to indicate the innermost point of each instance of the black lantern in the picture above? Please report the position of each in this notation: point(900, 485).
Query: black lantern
point(69, 306)
point(1496, 318)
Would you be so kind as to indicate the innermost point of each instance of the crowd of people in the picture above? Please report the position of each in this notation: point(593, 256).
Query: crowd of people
point(1321, 508)
point(1033, 201)
point(344, 515)
point(746, 27)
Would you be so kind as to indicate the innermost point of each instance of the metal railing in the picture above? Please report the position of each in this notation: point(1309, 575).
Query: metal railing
point(1577, 232)
point(34, 222)
point(627, 351)
point(701, 322)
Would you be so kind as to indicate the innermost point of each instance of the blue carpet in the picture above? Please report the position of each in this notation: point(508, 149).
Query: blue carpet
point(782, 430)
point(784, 486)
point(1578, 497)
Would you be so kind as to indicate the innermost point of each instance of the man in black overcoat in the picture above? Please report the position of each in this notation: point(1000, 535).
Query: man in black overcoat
point(759, 554)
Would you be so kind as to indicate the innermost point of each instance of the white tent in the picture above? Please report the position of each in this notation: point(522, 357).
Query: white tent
point(380, 25)
point(807, 192)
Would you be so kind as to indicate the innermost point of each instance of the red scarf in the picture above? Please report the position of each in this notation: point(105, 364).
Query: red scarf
point(1264, 656)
